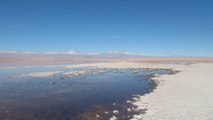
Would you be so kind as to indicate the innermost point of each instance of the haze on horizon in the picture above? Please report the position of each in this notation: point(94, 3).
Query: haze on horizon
point(162, 28)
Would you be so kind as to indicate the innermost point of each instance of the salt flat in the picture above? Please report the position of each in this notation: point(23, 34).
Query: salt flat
point(186, 95)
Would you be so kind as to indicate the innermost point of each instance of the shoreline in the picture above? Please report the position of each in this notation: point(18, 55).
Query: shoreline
point(18, 61)
point(183, 95)
point(124, 107)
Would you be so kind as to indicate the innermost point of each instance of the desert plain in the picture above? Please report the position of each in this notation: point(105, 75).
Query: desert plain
point(185, 95)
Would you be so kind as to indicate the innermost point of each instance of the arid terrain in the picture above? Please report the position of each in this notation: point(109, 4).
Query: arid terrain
point(185, 95)
point(14, 60)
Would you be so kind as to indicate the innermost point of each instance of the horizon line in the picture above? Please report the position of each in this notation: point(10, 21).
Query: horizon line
point(110, 52)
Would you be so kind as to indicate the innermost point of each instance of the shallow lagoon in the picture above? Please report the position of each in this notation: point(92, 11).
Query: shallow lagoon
point(83, 97)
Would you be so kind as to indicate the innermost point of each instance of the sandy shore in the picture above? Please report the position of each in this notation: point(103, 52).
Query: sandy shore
point(187, 95)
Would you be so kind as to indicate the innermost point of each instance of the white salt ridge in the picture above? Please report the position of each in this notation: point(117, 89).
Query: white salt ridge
point(65, 74)
point(115, 111)
point(113, 118)
point(97, 116)
point(39, 74)
point(83, 72)
point(129, 110)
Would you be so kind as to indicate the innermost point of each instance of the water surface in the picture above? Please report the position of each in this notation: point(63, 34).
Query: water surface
point(72, 98)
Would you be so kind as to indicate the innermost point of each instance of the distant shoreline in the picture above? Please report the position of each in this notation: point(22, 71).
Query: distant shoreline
point(25, 61)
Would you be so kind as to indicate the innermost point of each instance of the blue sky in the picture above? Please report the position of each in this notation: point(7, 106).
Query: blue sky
point(150, 27)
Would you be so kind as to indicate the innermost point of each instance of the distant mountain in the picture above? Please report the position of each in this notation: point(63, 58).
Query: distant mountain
point(29, 54)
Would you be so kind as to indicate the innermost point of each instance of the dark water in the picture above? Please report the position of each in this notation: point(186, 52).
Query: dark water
point(78, 97)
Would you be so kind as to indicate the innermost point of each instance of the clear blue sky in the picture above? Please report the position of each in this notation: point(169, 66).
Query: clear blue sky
point(151, 27)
